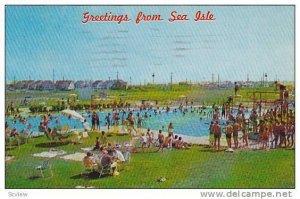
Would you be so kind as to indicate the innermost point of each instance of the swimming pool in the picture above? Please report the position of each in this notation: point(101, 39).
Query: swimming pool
point(192, 124)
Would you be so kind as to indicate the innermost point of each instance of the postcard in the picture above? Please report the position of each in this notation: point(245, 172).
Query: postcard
point(150, 97)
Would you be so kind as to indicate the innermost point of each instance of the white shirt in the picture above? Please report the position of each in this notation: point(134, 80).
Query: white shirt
point(119, 156)
point(86, 126)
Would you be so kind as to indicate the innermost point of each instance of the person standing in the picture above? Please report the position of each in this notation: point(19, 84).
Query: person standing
point(276, 134)
point(236, 128)
point(282, 130)
point(291, 134)
point(211, 133)
point(93, 120)
point(245, 132)
point(217, 135)
point(107, 118)
point(171, 129)
point(228, 132)
point(161, 141)
point(223, 111)
point(97, 122)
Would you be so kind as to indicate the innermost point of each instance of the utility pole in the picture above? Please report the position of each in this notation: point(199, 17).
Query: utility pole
point(117, 75)
point(212, 78)
point(218, 81)
point(171, 79)
point(153, 75)
point(53, 75)
point(130, 81)
point(247, 80)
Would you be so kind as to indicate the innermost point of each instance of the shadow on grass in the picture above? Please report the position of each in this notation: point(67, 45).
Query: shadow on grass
point(212, 150)
point(10, 148)
point(52, 144)
point(34, 177)
point(92, 175)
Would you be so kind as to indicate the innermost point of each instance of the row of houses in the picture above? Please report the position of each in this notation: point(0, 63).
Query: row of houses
point(66, 85)
point(230, 84)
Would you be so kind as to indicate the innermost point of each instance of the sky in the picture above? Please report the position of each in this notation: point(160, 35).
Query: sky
point(242, 40)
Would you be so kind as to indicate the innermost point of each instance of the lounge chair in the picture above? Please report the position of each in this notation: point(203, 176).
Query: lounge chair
point(44, 167)
point(127, 156)
point(104, 169)
point(63, 130)
point(85, 134)
point(89, 165)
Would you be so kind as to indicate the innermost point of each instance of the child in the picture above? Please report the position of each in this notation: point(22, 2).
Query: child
point(97, 145)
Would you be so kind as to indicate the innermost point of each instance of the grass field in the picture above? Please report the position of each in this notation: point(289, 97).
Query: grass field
point(163, 94)
point(198, 167)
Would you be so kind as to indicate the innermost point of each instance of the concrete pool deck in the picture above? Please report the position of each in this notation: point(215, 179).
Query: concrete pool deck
point(202, 140)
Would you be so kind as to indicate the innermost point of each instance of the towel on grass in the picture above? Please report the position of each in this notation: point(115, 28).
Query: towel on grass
point(49, 154)
point(78, 157)
point(86, 149)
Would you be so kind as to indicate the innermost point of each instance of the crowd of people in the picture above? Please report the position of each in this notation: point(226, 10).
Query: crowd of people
point(108, 155)
point(271, 129)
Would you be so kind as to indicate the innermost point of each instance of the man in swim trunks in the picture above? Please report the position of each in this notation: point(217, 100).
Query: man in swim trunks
point(236, 128)
point(161, 141)
point(217, 134)
point(211, 133)
point(228, 132)
point(245, 131)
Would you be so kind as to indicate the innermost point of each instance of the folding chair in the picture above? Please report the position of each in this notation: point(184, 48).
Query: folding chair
point(89, 166)
point(43, 167)
point(105, 169)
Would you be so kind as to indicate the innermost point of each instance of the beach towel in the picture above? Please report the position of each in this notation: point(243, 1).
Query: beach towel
point(78, 157)
point(7, 158)
point(85, 134)
point(49, 154)
point(36, 134)
point(229, 150)
point(86, 149)
point(82, 187)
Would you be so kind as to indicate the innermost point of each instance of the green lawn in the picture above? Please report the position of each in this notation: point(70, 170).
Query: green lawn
point(153, 92)
point(198, 167)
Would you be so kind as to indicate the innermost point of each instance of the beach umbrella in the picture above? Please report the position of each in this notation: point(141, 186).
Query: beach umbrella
point(73, 114)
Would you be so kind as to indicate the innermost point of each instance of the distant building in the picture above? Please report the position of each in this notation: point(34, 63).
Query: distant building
point(119, 84)
point(185, 83)
point(80, 84)
point(9, 87)
point(226, 84)
point(35, 85)
point(64, 85)
point(24, 84)
point(97, 84)
point(41, 85)
point(107, 84)
point(46, 85)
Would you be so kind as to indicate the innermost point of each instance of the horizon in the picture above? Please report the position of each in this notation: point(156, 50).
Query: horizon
point(243, 40)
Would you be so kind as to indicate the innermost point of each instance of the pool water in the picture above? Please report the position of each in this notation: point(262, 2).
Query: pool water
point(186, 124)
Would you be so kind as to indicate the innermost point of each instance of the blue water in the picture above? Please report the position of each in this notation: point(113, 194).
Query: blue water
point(186, 124)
